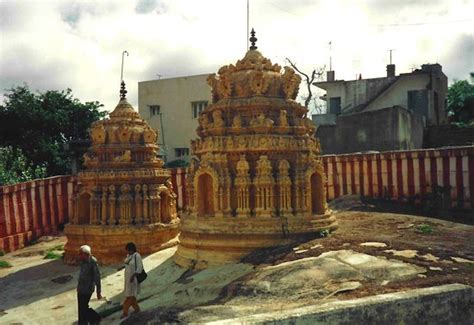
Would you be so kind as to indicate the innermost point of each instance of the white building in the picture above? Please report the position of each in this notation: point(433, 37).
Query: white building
point(172, 107)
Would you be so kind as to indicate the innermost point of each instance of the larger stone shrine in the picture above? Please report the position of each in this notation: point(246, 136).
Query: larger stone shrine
point(257, 180)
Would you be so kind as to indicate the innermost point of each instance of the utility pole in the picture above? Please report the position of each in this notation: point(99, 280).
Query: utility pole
point(248, 23)
point(163, 137)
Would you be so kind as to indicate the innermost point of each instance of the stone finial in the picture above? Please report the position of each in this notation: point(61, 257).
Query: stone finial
point(253, 40)
point(123, 91)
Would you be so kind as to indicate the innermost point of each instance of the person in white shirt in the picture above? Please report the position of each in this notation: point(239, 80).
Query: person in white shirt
point(133, 267)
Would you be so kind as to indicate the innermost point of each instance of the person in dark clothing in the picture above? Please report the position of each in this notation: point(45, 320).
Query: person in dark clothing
point(89, 277)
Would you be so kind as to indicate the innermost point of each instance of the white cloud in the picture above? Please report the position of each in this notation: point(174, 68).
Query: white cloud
point(55, 45)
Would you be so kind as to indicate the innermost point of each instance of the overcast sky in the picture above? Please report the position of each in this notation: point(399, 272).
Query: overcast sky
point(78, 44)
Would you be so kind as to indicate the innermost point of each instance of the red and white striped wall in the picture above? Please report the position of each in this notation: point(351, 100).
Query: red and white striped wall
point(33, 209)
point(392, 174)
point(403, 174)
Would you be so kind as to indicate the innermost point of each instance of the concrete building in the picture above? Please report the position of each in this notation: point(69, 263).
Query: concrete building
point(387, 113)
point(172, 106)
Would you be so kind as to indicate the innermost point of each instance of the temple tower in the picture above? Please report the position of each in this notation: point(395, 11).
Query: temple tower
point(257, 180)
point(123, 194)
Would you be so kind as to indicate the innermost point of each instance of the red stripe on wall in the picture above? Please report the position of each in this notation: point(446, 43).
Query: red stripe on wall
point(399, 176)
point(411, 177)
point(471, 179)
point(422, 176)
point(353, 185)
point(379, 176)
point(434, 177)
point(390, 177)
point(13, 225)
point(361, 175)
point(370, 190)
point(64, 198)
point(3, 224)
point(30, 208)
point(39, 211)
point(335, 178)
point(325, 164)
point(459, 182)
point(446, 171)
point(344, 176)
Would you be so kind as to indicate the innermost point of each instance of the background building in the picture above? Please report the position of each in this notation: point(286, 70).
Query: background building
point(172, 107)
point(387, 113)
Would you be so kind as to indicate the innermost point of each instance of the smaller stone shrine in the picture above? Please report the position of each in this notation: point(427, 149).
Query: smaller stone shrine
point(123, 194)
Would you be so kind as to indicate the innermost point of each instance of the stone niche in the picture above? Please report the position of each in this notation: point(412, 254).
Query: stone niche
point(257, 179)
point(123, 194)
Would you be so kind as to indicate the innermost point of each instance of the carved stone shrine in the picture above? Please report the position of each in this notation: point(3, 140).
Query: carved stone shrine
point(123, 194)
point(257, 180)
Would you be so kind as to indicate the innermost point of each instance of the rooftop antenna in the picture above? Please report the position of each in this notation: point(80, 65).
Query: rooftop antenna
point(330, 57)
point(390, 51)
point(247, 35)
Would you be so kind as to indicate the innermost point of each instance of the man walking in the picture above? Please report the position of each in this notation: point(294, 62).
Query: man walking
point(89, 277)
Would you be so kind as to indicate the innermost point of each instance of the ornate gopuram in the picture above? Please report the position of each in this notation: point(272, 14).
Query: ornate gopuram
point(257, 179)
point(123, 194)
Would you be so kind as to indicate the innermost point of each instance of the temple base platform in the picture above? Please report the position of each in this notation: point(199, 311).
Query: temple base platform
point(108, 242)
point(221, 240)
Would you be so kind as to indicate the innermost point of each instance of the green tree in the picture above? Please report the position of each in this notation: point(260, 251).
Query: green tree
point(40, 124)
point(14, 167)
point(461, 101)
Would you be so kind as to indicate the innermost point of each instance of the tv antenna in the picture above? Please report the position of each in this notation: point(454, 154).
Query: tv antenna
point(330, 56)
point(390, 51)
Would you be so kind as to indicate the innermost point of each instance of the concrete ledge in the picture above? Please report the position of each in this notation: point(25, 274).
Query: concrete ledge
point(446, 304)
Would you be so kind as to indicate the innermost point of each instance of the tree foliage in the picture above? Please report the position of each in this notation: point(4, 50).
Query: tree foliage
point(40, 124)
point(15, 168)
point(461, 101)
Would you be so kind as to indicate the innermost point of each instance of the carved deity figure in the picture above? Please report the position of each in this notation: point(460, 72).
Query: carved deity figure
point(283, 118)
point(217, 117)
point(237, 122)
point(150, 136)
point(125, 157)
point(124, 134)
point(291, 83)
point(98, 133)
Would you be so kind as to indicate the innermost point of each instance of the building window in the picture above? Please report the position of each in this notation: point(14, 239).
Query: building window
point(181, 152)
point(335, 105)
point(154, 110)
point(198, 107)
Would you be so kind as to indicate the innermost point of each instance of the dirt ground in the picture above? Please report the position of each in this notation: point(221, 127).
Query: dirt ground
point(399, 232)
point(444, 248)
point(432, 242)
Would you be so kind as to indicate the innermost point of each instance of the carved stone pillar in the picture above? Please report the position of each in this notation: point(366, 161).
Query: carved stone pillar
point(242, 183)
point(138, 205)
point(125, 203)
point(146, 218)
point(94, 209)
point(112, 205)
point(264, 184)
point(103, 205)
